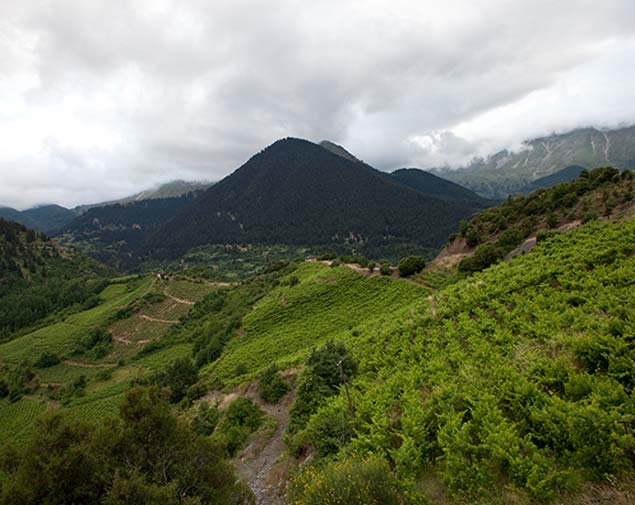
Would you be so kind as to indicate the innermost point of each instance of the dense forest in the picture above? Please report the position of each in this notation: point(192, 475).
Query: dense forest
point(115, 233)
point(38, 277)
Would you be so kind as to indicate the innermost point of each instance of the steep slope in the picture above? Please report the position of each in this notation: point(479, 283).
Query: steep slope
point(296, 192)
point(114, 233)
point(45, 218)
point(38, 277)
point(435, 186)
point(509, 172)
point(513, 227)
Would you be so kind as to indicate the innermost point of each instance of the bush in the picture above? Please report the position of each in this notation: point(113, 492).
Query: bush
point(243, 412)
point(178, 376)
point(46, 360)
point(329, 429)
point(411, 265)
point(206, 419)
point(371, 266)
point(385, 269)
point(320, 380)
point(271, 387)
point(484, 256)
point(349, 482)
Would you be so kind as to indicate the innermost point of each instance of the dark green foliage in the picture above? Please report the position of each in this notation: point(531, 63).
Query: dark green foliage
point(411, 265)
point(178, 376)
point(296, 192)
point(510, 239)
point(320, 379)
point(4, 389)
point(38, 278)
point(46, 218)
point(271, 386)
point(243, 412)
point(115, 233)
point(349, 482)
point(593, 194)
point(98, 341)
point(384, 269)
point(329, 430)
point(145, 456)
point(484, 256)
point(46, 360)
point(206, 419)
point(241, 418)
point(437, 187)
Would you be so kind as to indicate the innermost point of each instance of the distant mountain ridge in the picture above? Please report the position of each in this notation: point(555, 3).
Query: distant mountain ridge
point(171, 189)
point(44, 218)
point(435, 186)
point(508, 172)
point(298, 192)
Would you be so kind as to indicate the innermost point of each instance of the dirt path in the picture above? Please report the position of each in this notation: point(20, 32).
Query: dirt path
point(82, 364)
point(262, 464)
point(433, 306)
point(178, 300)
point(155, 320)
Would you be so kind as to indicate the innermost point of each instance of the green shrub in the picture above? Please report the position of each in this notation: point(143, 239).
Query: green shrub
point(411, 265)
point(271, 387)
point(46, 360)
point(243, 412)
point(385, 269)
point(349, 482)
point(206, 419)
point(484, 256)
point(329, 429)
point(178, 376)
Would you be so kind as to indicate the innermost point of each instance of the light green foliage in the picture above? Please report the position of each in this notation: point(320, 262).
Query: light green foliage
point(524, 373)
point(349, 482)
point(326, 304)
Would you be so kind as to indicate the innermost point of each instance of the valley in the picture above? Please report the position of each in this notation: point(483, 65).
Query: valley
point(498, 372)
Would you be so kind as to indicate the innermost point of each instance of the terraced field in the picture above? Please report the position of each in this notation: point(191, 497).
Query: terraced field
point(137, 311)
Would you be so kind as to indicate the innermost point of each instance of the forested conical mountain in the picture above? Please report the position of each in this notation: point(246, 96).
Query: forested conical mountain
point(508, 172)
point(37, 277)
point(297, 192)
point(45, 218)
point(435, 186)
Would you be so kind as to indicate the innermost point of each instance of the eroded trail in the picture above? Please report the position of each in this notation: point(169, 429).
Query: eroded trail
point(262, 464)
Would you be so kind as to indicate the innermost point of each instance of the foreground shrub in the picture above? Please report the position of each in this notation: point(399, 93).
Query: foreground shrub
point(411, 265)
point(350, 482)
point(271, 387)
point(144, 456)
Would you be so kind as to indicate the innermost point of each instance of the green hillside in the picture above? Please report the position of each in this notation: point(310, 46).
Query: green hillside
point(38, 277)
point(58, 366)
point(510, 385)
point(514, 385)
point(516, 225)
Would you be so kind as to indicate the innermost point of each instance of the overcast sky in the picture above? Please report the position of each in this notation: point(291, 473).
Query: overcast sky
point(99, 99)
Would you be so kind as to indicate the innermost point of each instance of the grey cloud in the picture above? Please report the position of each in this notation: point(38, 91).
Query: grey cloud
point(112, 97)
